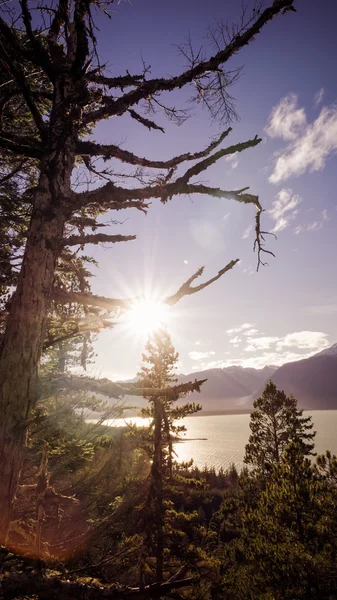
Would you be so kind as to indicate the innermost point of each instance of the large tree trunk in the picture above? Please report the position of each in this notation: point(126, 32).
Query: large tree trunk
point(23, 342)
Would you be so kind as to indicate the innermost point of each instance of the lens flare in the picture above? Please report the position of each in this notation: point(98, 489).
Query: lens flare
point(146, 316)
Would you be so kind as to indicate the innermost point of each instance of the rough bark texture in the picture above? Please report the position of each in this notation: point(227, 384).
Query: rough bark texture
point(22, 344)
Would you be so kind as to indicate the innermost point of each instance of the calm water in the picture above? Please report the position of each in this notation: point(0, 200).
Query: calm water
point(225, 437)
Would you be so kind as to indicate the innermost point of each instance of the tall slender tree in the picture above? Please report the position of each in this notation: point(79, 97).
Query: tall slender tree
point(53, 92)
point(158, 371)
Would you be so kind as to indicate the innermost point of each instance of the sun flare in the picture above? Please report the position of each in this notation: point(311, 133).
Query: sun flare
point(146, 316)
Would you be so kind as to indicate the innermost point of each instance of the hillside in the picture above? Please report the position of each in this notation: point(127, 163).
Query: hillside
point(313, 381)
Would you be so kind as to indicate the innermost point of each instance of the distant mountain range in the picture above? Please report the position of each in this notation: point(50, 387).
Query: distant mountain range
point(313, 382)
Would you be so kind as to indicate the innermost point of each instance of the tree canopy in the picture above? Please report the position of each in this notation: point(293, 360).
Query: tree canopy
point(275, 423)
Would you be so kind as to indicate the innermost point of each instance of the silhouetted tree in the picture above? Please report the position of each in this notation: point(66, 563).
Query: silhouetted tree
point(158, 371)
point(274, 423)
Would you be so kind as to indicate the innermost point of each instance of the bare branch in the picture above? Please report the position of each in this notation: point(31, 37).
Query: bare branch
point(116, 82)
point(111, 151)
point(186, 289)
point(155, 86)
point(111, 304)
point(146, 122)
point(96, 238)
point(115, 390)
point(112, 194)
point(260, 238)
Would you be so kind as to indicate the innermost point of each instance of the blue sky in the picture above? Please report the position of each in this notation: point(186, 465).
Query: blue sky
point(287, 94)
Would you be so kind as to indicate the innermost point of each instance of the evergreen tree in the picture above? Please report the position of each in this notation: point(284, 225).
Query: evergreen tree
point(159, 362)
point(275, 422)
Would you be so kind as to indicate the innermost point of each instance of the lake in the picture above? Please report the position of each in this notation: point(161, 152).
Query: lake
point(225, 437)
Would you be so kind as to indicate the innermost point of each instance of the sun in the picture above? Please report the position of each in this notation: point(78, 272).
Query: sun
point(146, 316)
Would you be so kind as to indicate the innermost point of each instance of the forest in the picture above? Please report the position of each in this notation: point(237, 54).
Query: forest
point(87, 510)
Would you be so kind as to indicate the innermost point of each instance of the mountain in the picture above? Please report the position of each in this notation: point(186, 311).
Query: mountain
point(231, 388)
point(313, 381)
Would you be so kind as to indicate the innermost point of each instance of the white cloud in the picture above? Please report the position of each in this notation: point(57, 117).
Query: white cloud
point(319, 97)
point(216, 364)
point(186, 262)
point(284, 209)
point(286, 120)
point(272, 358)
point(226, 216)
point(235, 340)
point(233, 160)
point(240, 328)
point(194, 355)
point(304, 339)
point(262, 343)
point(248, 231)
point(251, 332)
point(315, 225)
point(308, 149)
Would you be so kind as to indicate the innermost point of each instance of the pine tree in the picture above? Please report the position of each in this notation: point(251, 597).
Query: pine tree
point(157, 371)
point(275, 422)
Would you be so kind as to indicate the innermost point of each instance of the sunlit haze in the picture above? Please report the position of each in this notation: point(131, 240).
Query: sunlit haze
point(146, 316)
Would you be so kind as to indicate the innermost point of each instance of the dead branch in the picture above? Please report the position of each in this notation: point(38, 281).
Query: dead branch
point(112, 151)
point(154, 86)
point(116, 390)
point(111, 304)
point(96, 238)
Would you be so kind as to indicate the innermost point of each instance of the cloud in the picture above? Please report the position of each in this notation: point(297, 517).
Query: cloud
point(250, 332)
point(235, 340)
point(262, 343)
point(194, 355)
point(299, 339)
point(217, 364)
point(233, 160)
point(248, 231)
point(284, 209)
point(226, 216)
point(286, 120)
point(304, 339)
point(315, 225)
point(319, 97)
point(240, 328)
point(309, 147)
point(271, 358)
point(258, 362)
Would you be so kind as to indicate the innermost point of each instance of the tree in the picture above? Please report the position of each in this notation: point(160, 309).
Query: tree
point(162, 359)
point(275, 422)
point(54, 92)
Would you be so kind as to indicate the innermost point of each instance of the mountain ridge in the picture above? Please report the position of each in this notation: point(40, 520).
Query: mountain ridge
point(312, 381)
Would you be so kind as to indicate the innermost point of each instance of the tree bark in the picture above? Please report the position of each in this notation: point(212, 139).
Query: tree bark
point(23, 342)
